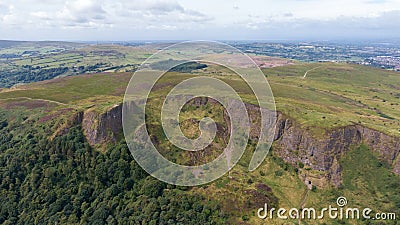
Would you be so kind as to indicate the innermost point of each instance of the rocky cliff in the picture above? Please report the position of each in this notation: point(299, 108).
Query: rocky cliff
point(295, 144)
point(292, 142)
point(102, 127)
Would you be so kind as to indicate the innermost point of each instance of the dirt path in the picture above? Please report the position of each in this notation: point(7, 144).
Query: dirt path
point(306, 73)
point(303, 202)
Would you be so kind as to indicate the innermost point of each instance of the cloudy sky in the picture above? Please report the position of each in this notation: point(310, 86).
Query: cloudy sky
point(207, 19)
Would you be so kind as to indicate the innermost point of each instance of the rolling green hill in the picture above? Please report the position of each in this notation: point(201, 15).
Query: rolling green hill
point(52, 173)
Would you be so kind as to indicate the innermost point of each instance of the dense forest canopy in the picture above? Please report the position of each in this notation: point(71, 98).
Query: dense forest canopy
point(66, 181)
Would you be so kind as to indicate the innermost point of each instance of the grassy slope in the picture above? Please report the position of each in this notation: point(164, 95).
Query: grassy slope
point(74, 90)
point(331, 95)
point(338, 94)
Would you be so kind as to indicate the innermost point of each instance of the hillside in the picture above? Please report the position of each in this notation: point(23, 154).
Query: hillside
point(333, 119)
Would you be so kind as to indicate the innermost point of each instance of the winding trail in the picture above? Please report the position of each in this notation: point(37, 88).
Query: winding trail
point(306, 73)
point(303, 202)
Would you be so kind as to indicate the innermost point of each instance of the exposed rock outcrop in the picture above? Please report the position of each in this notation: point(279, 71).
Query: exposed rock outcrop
point(101, 127)
point(292, 142)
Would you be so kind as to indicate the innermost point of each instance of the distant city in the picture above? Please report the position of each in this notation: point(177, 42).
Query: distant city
point(381, 55)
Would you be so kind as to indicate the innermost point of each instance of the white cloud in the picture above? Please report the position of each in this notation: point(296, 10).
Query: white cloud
point(9, 17)
point(183, 19)
point(157, 6)
point(83, 13)
point(160, 14)
point(383, 25)
point(3, 8)
point(74, 14)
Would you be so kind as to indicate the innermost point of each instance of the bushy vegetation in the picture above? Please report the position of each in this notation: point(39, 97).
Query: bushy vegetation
point(27, 74)
point(182, 66)
point(66, 181)
point(363, 172)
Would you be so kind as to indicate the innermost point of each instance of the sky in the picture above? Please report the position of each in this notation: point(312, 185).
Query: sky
point(129, 20)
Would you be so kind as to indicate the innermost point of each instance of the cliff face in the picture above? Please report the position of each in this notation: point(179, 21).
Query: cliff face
point(294, 144)
point(291, 142)
point(101, 127)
